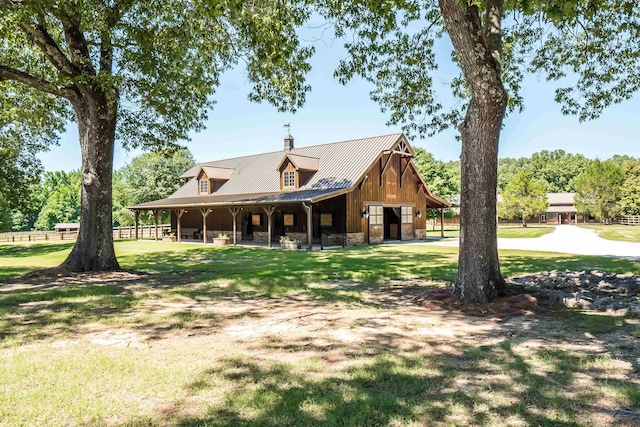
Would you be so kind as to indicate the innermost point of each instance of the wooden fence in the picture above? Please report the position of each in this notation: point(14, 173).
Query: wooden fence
point(629, 220)
point(144, 232)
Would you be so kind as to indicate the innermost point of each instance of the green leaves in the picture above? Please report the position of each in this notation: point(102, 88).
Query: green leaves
point(523, 197)
point(598, 189)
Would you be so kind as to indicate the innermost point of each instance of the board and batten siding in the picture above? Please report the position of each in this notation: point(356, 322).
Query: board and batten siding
point(377, 190)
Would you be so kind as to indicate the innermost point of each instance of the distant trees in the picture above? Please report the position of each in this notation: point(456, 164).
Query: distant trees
point(556, 170)
point(523, 197)
point(442, 178)
point(629, 203)
point(150, 176)
point(598, 189)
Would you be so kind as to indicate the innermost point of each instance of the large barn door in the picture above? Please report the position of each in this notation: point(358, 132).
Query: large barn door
point(376, 224)
point(407, 223)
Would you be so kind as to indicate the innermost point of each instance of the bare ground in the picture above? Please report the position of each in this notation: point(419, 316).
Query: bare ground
point(413, 317)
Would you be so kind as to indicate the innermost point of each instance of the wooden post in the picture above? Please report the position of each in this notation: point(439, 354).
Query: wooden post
point(136, 223)
point(234, 213)
point(156, 213)
point(441, 222)
point(205, 213)
point(179, 214)
point(309, 210)
point(269, 210)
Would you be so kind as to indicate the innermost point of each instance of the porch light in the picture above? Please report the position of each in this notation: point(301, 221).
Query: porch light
point(419, 214)
point(365, 214)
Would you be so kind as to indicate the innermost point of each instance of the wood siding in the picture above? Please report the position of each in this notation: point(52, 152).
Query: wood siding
point(404, 191)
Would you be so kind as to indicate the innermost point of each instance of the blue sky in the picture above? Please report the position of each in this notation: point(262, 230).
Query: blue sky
point(334, 112)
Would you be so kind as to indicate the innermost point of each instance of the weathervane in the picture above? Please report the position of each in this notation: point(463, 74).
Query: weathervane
point(288, 126)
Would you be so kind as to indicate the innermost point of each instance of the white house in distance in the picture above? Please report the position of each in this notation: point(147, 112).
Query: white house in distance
point(67, 227)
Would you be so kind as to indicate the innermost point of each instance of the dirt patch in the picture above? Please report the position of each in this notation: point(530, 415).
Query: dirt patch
point(518, 303)
point(54, 277)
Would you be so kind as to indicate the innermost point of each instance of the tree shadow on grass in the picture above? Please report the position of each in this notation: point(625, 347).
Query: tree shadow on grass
point(34, 250)
point(477, 385)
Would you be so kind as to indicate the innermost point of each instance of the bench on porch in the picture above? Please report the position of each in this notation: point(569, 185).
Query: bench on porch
point(189, 233)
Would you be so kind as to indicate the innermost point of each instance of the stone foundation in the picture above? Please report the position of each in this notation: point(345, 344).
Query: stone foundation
point(420, 233)
point(355, 239)
point(261, 237)
point(333, 239)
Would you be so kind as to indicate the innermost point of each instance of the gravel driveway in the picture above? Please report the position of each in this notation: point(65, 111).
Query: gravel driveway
point(567, 239)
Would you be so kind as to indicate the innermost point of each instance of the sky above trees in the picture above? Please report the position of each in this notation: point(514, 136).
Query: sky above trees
point(334, 112)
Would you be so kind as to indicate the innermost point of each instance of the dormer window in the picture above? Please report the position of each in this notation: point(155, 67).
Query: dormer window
point(289, 179)
point(204, 186)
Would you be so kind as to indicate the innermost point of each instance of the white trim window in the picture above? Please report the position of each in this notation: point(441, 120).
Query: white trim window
point(407, 214)
point(376, 215)
point(204, 186)
point(289, 179)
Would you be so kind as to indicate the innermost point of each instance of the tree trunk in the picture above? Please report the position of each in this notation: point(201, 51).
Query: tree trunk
point(478, 50)
point(96, 117)
point(524, 221)
point(479, 278)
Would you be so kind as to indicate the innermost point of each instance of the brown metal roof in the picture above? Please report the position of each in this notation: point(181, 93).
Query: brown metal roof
point(310, 196)
point(338, 166)
point(218, 173)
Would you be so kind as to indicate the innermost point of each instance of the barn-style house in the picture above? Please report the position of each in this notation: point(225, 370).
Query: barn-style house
point(344, 193)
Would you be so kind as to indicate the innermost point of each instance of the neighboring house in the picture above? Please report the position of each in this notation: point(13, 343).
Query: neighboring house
point(67, 227)
point(561, 210)
point(344, 193)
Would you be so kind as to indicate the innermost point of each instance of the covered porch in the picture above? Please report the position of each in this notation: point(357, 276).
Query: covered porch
point(311, 223)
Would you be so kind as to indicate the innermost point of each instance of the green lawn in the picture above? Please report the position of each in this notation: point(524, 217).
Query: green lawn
point(234, 336)
point(627, 233)
point(504, 231)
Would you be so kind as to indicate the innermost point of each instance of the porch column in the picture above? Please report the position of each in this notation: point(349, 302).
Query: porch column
point(269, 211)
point(441, 222)
point(137, 218)
point(309, 210)
point(205, 213)
point(156, 213)
point(179, 214)
point(234, 214)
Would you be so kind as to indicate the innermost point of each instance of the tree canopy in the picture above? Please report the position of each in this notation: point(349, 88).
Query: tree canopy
point(391, 44)
point(523, 197)
point(598, 189)
point(141, 71)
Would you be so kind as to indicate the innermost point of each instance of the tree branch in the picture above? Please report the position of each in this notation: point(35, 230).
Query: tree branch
point(41, 38)
point(7, 73)
point(77, 44)
point(493, 29)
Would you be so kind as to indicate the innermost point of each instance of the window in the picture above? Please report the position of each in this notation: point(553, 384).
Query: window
point(376, 215)
point(407, 214)
point(543, 218)
point(289, 220)
point(204, 186)
point(255, 219)
point(326, 220)
point(289, 179)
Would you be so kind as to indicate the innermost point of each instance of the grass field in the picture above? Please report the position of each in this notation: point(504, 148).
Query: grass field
point(504, 231)
point(627, 233)
point(236, 336)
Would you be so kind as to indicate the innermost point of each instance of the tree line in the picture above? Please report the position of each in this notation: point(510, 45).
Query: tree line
point(55, 197)
point(605, 189)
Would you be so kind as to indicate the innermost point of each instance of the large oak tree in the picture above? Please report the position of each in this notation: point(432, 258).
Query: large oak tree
point(141, 71)
point(590, 46)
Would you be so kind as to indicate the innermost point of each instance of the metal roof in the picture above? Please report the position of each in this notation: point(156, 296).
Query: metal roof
point(218, 173)
point(310, 196)
point(302, 162)
point(341, 164)
point(67, 225)
point(554, 199)
point(337, 167)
